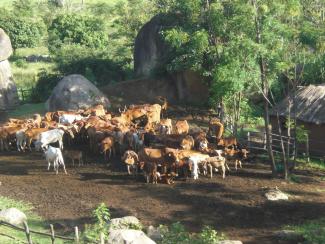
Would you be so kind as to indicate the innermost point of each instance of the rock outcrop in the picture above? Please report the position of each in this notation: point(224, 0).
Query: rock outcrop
point(150, 53)
point(8, 90)
point(75, 92)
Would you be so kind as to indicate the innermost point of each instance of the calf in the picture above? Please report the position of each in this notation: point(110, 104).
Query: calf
point(74, 155)
point(227, 142)
point(54, 155)
point(236, 154)
point(196, 161)
point(150, 171)
point(165, 127)
point(215, 163)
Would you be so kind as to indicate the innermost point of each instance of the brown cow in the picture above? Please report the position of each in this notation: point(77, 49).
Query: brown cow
point(216, 163)
point(236, 154)
point(216, 128)
point(187, 143)
point(131, 159)
point(74, 155)
point(182, 127)
point(107, 147)
point(227, 142)
point(150, 171)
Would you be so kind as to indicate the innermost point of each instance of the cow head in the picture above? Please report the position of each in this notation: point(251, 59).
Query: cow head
point(244, 153)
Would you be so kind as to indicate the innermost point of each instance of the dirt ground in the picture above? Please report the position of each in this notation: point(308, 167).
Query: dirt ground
point(235, 206)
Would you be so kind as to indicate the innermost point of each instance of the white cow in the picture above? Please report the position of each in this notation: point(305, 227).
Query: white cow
point(69, 118)
point(49, 137)
point(21, 140)
point(54, 155)
point(195, 160)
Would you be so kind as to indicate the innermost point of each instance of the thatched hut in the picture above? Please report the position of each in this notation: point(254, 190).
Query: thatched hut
point(309, 107)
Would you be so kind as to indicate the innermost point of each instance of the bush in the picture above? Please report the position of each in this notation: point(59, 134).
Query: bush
point(44, 86)
point(95, 65)
point(313, 231)
point(177, 233)
point(23, 32)
point(77, 29)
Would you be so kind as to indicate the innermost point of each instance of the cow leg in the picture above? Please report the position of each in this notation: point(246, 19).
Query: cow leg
point(61, 144)
point(210, 169)
point(239, 163)
point(48, 166)
point(18, 145)
point(64, 168)
point(236, 162)
point(128, 167)
point(223, 169)
point(227, 167)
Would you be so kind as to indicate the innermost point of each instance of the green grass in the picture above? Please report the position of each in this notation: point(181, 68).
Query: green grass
point(314, 163)
point(34, 222)
point(27, 110)
point(312, 231)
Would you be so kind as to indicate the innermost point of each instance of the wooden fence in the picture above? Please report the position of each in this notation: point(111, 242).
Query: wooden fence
point(257, 141)
point(51, 236)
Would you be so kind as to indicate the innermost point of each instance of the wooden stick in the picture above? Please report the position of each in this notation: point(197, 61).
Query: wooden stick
point(29, 239)
point(32, 231)
point(76, 234)
point(52, 234)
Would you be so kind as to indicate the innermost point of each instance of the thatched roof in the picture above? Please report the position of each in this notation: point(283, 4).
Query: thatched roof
point(309, 104)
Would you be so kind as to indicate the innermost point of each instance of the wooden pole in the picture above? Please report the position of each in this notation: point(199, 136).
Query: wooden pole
point(249, 139)
point(29, 239)
point(52, 234)
point(76, 234)
point(307, 149)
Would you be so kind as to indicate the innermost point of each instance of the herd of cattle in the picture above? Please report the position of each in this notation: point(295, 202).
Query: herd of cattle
point(163, 149)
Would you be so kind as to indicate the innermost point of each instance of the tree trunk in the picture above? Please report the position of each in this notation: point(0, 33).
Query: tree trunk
point(265, 90)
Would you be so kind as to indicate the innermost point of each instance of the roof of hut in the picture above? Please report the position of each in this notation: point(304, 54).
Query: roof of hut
point(309, 104)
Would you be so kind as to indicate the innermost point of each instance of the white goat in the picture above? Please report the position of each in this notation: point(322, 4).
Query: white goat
point(54, 155)
point(50, 136)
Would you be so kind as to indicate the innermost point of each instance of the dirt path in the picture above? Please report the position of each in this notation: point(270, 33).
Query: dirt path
point(235, 206)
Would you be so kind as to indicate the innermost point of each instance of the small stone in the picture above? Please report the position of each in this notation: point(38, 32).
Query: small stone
point(128, 237)
point(276, 195)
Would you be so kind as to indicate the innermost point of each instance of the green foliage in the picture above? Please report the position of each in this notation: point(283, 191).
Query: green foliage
point(92, 232)
point(79, 29)
point(21, 63)
point(94, 64)
point(23, 32)
point(176, 233)
point(313, 231)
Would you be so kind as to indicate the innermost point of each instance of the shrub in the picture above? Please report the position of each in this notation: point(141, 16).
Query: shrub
point(313, 231)
point(23, 32)
point(95, 65)
point(77, 29)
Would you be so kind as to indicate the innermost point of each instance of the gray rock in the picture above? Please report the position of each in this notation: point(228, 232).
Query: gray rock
point(150, 53)
point(289, 235)
point(8, 90)
point(128, 237)
point(154, 233)
point(276, 195)
point(229, 242)
point(75, 92)
point(13, 216)
point(5, 46)
point(124, 223)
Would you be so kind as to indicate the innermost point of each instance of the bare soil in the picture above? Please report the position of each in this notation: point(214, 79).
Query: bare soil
point(235, 206)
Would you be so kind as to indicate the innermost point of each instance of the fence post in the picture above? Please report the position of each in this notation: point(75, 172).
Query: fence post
point(307, 149)
point(264, 142)
point(52, 234)
point(249, 140)
point(29, 239)
point(76, 234)
point(102, 238)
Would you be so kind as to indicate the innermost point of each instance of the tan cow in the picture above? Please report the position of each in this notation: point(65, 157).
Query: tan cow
point(182, 127)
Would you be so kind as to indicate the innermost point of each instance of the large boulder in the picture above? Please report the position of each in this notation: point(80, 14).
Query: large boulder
point(75, 92)
point(5, 46)
point(13, 216)
point(150, 53)
point(8, 90)
point(127, 222)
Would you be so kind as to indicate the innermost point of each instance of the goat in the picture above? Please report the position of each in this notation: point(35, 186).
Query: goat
point(54, 155)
